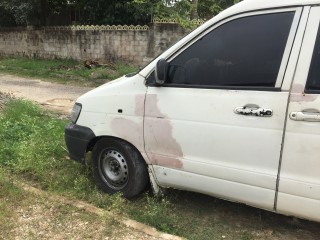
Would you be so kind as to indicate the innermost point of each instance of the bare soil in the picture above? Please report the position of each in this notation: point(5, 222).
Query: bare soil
point(51, 95)
point(40, 216)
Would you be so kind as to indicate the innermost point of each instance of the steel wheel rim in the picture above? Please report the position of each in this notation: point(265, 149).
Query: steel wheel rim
point(114, 169)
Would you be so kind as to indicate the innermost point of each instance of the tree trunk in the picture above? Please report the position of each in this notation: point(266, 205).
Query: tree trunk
point(194, 10)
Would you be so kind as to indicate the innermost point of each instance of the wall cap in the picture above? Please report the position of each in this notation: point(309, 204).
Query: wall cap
point(99, 27)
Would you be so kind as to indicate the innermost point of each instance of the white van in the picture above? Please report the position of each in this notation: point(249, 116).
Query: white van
point(232, 110)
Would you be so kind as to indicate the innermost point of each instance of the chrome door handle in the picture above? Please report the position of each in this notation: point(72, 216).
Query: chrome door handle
point(253, 110)
point(305, 116)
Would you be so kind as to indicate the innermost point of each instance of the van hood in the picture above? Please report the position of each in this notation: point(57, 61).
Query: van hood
point(113, 85)
point(122, 88)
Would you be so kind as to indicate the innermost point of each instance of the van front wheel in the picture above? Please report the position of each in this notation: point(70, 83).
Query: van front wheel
point(118, 167)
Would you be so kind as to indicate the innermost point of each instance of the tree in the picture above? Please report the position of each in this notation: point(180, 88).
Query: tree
point(32, 12)
point(21, 10)
point(98, 12)
point(6, 20)
point(181, 10)
point(209, 8)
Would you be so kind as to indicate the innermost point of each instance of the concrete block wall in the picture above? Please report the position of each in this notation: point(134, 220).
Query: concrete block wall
point(130, 44)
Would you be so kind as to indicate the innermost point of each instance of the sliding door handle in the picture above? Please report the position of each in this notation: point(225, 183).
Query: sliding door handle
point(305, 116)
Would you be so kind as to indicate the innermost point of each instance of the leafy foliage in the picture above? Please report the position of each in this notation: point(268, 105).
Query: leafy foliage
point(209, 8)
point(98, 12)
point(21, 10)
point(32, 12)
point(6, 19)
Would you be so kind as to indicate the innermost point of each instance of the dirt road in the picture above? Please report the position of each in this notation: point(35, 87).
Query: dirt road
point(54, 96)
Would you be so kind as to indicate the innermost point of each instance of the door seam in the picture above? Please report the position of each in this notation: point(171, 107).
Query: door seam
point(287, 108)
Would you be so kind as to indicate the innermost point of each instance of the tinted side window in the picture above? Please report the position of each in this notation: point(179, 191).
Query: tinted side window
point(243, 52)
point(313, 82)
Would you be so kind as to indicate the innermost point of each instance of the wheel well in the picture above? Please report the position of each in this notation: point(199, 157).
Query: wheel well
point(93, 142)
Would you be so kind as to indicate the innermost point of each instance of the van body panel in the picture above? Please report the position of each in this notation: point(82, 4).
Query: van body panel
point(209, 136)
point(204, 136)
point(237, 192)
point(295, 51)
point(298, 206)
point(299, 187)
point(116, 109)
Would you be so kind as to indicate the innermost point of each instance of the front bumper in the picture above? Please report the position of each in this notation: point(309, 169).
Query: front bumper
point(77, 139)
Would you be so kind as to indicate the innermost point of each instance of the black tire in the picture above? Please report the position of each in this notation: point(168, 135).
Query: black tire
point(118, 167)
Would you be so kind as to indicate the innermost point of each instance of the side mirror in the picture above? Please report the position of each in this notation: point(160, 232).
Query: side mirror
point(161, 71)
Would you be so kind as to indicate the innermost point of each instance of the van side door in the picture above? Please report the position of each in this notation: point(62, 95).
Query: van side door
point(299, 186)
point(216, 124)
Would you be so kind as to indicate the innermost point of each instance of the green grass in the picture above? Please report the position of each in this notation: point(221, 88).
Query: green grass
point(24, 212)
point(32, 149)
point(10, 197)
point(65, 71)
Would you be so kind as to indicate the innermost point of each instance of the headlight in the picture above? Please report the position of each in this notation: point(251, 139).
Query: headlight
point(75, 112)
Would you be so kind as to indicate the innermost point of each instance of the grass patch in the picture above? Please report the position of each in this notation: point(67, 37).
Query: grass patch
point(65, 71)
point(10, 197)
point(25, 215)
point(157, 212)
point(32, 148)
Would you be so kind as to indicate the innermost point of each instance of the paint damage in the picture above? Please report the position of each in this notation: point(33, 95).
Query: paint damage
point(161, 147)
point(165, 161)
point(298, 95)
point(139, 105)
point(130, 128)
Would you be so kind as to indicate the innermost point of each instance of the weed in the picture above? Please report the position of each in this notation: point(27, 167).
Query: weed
point(118, 203)
point(157, 212)
point(10, 196)
point(31, 140)
point(33, 147)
